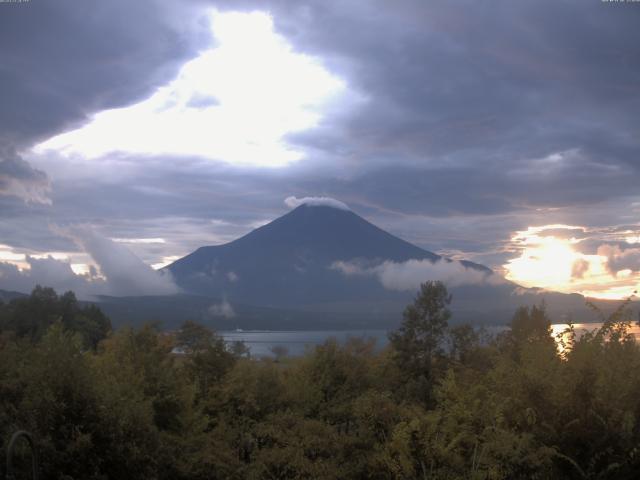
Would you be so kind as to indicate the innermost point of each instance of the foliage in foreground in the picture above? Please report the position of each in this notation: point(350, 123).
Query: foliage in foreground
point(504, 408)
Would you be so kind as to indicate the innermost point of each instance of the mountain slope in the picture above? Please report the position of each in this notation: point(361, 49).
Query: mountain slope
point(291, 263)
point(327, 233)
point(7, 295)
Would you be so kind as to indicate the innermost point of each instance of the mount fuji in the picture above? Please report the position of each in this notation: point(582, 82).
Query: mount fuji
point(322, 264)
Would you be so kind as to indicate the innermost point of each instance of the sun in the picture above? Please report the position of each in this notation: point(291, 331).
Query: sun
point(553, 262)
point(547, 264)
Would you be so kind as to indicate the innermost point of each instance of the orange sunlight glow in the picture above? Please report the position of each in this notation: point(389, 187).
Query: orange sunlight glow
point(552, 263)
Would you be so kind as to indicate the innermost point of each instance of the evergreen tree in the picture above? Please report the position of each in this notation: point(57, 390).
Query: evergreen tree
point(419, 340)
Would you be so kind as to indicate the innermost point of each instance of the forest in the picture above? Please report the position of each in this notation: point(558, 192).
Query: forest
point(439, 402)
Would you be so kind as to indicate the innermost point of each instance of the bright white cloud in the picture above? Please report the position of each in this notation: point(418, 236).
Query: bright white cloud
point(222, 309)
point(139, 240)
point(233, 103)
point(104, 267)
point(50, 272)
point(407, 276)
point(293, 202)
point(118, 272)
point(21, 259)
point(7, 254)
point(167, 260)
point(126, 274)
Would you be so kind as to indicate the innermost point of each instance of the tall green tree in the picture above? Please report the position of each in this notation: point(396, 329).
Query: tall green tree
point(418, 342)
point(208, 358)
point(531, 324)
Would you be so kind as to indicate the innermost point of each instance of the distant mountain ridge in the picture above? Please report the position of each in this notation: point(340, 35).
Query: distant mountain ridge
point(8, 295)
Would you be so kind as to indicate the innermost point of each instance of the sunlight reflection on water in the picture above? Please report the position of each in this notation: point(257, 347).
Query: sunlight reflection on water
point(582, 328)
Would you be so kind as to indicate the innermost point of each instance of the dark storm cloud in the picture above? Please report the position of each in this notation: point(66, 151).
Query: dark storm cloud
point(619, 259)
point(19, 179)
point(65, 60)
point(185, 201)
point(472, 97)
point(62, 62)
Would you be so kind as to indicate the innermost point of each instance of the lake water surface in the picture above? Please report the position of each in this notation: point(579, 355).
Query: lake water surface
point(296, 342)
point(261, 343)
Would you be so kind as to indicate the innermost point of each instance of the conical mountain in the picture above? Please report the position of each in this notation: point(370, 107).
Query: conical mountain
point(291, 262)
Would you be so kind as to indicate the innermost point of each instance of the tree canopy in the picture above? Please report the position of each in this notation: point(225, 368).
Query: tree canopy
point(124, 405)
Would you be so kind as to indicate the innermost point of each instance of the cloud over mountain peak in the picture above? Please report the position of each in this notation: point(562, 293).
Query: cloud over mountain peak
point(294, 202)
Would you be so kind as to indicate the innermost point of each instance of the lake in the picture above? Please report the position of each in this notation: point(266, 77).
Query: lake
point(260, 343)
point(296, 342)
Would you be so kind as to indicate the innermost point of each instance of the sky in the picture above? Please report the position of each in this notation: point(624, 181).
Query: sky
point(502, 132)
